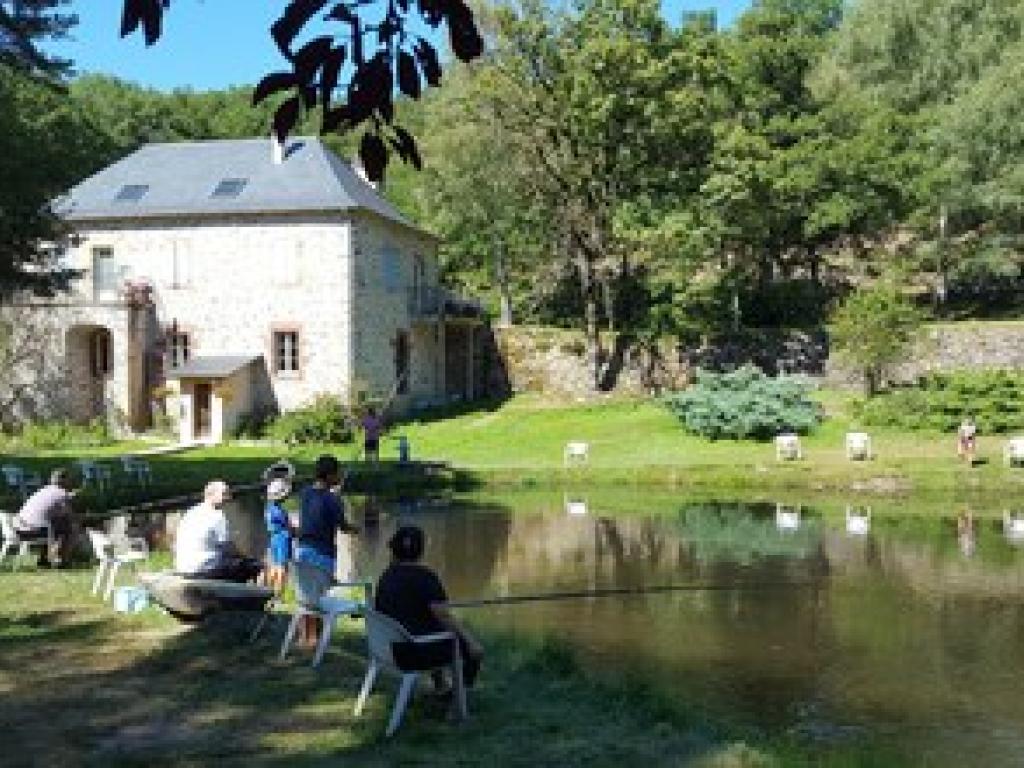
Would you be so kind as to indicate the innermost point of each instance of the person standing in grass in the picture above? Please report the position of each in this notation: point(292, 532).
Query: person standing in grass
point(967, 440)
point(372, 425)
point(46, 515)
point(279, 532)
point(321, 517)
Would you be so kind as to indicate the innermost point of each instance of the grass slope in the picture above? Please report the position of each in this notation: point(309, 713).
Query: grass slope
point(632, 443)
point(83, 686)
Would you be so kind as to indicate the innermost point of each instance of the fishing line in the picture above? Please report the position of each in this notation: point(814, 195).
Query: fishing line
point(618, 591)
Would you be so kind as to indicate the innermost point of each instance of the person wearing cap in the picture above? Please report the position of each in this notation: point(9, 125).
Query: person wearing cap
point(321, 517)
point(46, 514)
point(203, 548)
point(279, 533)
point(413, 595)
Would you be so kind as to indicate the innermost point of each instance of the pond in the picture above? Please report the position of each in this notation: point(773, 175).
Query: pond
point(837, 625)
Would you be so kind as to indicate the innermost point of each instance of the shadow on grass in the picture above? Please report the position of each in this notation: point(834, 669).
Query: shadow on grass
point(205, 695)
point(441, 413)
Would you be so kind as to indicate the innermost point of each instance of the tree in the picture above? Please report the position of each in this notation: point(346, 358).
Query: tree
point(23, 24)
point(872, 330)
point(34, 169)
point(377, 53)
point(605, 109)
point(949, 69)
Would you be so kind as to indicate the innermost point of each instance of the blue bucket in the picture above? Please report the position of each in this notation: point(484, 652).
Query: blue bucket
point(130, 599)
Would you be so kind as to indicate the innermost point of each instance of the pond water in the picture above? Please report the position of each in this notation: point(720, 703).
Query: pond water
point(839, 626)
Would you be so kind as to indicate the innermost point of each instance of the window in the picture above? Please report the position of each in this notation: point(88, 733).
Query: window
point(391, 269)
point(132, 193)
point(100, 344)
point(180, 349)
point(104, 270)
point(229, 188)
point(402, 362)
point(286, 352)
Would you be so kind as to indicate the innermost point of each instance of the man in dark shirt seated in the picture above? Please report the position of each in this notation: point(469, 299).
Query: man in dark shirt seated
point(413, 595)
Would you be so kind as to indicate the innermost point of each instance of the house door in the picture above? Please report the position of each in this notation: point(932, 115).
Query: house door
point(201, 409)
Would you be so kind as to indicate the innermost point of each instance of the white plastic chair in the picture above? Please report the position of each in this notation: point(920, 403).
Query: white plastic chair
point(19, 480)
point(787, 518)
point(575, 506)
point(137, 469)
point(1013, 451)
point(787, 447)
point(112, 554)
point(381, 634)
point(858, 446)
point(93, 472)
point(858, 523)
point(577, 452)
point(1013, 528)
point(11, 540)
point(328, 607)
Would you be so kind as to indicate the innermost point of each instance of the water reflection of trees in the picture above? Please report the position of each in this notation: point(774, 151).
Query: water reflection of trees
point(743, 533)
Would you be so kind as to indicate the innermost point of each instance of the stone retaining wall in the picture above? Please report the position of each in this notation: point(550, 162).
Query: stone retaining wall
point(554, 361)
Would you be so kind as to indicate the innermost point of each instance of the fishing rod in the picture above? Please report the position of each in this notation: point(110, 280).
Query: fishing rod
point(618, 591)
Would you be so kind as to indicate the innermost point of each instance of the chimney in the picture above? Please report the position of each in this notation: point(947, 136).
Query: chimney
point(277, 149)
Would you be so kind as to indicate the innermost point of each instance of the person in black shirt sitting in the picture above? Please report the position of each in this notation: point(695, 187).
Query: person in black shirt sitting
point(413, 595)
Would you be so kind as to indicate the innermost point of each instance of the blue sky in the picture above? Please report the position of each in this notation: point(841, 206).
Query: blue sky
point(217, 43)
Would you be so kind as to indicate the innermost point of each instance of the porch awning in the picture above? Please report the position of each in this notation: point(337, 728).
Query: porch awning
point(217, 367)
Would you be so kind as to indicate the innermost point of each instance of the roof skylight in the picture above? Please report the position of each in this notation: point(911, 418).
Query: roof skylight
point(132, 193)
point(229, 188)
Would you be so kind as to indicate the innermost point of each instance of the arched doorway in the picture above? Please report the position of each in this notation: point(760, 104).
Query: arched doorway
point(89, 352)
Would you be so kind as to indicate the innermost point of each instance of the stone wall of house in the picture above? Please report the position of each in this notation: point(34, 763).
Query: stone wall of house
point(51, 373)
point(231, 284)
point(392, 266)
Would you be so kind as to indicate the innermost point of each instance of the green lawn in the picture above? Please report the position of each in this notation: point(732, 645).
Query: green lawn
point(632, 443)
point(82, 686)
point(641, 442)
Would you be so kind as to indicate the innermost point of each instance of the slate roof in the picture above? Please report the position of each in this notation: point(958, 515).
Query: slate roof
point(213, 367)
point(175, 179)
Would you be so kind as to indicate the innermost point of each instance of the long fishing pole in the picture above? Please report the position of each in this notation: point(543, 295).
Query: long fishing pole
point(616, 591)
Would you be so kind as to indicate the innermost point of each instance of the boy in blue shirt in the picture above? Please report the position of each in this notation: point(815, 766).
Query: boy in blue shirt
point(321, 516)
point(279, 532)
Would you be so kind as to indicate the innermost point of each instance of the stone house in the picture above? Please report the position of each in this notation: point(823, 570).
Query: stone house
point(226, 277)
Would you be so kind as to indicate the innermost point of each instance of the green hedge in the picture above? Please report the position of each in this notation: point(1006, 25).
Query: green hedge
point(941, 401)
point(745, 404)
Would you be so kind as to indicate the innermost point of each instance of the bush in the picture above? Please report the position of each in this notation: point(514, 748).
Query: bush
point(253, 425)
point(325, 420)
point(941, 401)
point(745, 404)
point(64, 434)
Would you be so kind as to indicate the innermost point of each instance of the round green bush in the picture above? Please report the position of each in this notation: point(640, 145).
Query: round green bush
point(745, 404)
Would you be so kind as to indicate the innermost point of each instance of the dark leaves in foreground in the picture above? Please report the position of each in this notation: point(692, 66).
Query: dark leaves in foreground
point(375, 55)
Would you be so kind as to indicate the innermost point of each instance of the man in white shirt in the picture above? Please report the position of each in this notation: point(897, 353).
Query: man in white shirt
point(203, 546)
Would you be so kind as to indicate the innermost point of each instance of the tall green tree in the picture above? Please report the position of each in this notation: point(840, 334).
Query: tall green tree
point(607, 110)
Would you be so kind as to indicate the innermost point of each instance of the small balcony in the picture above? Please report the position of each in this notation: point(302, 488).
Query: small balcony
point(431, 303)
